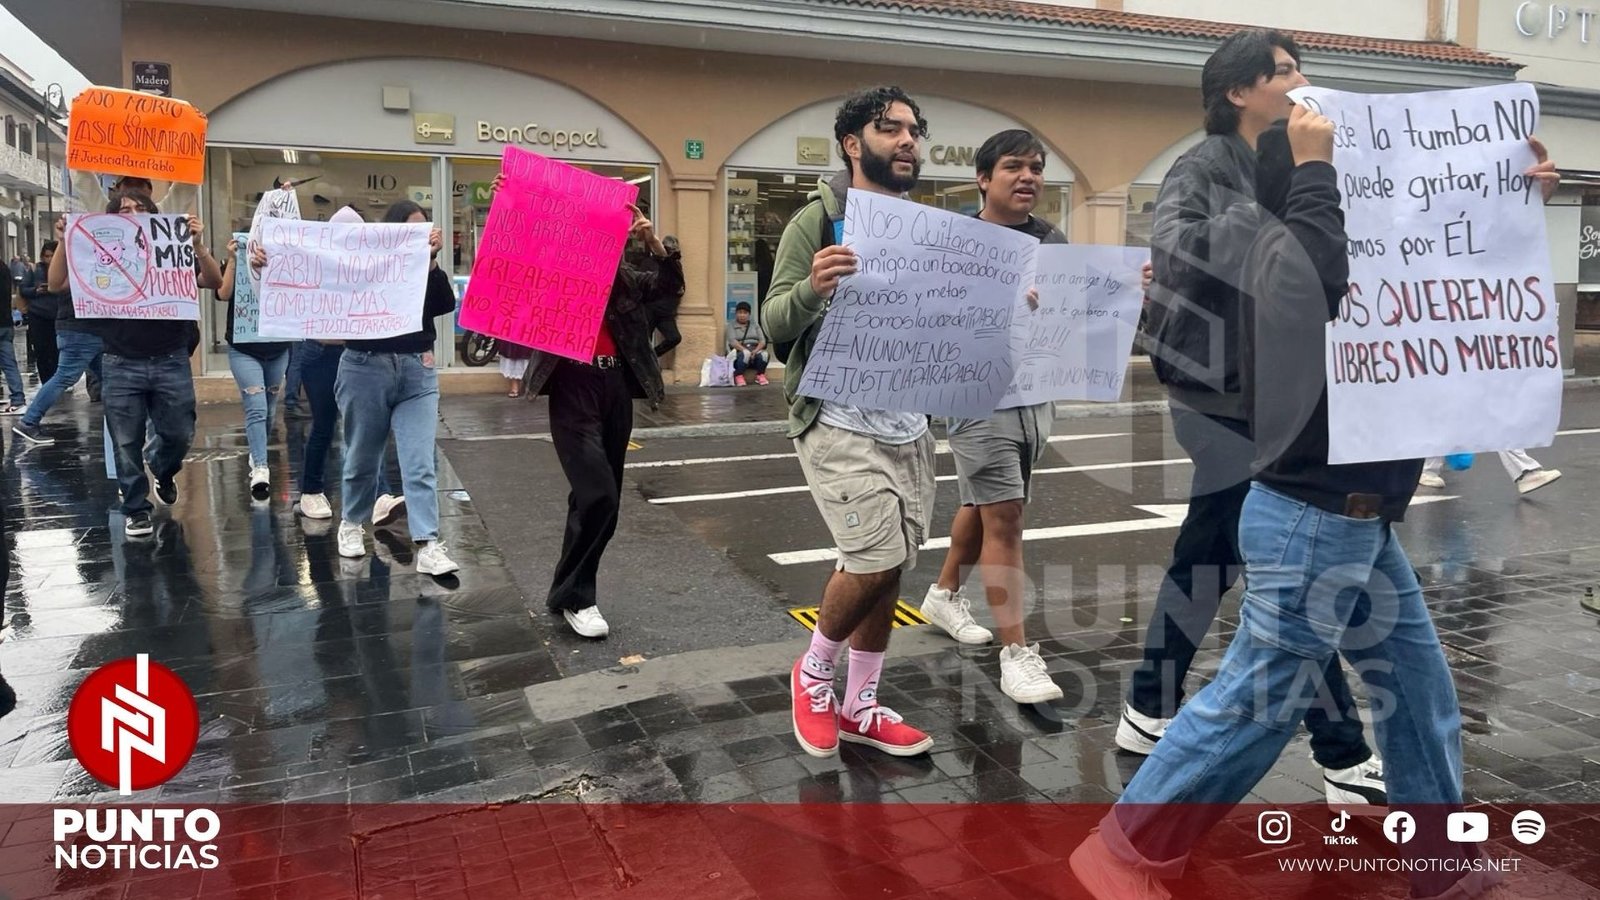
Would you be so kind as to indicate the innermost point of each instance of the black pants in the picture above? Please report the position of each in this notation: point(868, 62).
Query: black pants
point(670, 336)
point(591, 418)
point(1206, 564)
point(42, 341)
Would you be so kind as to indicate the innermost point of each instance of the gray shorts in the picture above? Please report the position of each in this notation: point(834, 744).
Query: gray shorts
point(995, 456)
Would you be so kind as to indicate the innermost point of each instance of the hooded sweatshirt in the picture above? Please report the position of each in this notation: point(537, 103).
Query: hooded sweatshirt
point(792, 311)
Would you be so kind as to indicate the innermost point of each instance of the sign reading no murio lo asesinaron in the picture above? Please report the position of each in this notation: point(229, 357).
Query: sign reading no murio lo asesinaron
point(120, 132)
point(1446, 342)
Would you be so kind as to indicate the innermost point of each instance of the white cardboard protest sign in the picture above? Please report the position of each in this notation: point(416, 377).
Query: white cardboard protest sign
point(1078, 341)
point(343, 281)
point(1447, 341)
point(132, 267)
point(246, 299)
point(277, 203)
point(925, 324)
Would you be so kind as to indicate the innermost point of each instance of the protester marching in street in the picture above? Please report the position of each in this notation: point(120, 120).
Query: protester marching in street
point(319, 361)
point(43, 309)
point(1322, 561)
point(391, 386)
point(147, 381)
point(591, 421)
point(870, 472)
point(78, 344)
point(995, 458)
point(1525, 471)
point(1206, 223)
point(258, 369)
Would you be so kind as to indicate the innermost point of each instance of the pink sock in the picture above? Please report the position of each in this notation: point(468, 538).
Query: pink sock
point(821, 658)
point(861, 684)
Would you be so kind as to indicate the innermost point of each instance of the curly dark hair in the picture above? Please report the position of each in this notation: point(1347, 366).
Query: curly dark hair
point(867, 106)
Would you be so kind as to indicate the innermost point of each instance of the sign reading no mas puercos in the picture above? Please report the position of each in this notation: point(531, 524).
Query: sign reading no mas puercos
point(118, 132)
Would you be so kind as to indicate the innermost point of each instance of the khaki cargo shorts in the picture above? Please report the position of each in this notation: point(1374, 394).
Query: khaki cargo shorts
point(876, 498)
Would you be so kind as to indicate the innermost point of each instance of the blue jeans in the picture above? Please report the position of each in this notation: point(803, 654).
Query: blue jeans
point(744, 359)
point(379, 393)
point(259, 382)
point(1316, 584)
point(79, 352)
point(294, 373)
point(8, 365)
point(159, 390)
point(319, 366)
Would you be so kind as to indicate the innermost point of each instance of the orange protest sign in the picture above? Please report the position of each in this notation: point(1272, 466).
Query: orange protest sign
point(121, 132)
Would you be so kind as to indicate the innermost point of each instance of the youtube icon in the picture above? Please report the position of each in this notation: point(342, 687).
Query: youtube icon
point(1468, 827)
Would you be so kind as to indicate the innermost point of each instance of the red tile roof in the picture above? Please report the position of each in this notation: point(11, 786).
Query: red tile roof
point(1112, 20)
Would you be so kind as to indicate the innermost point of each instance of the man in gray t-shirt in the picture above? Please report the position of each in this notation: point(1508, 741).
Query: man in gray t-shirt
point(748, 345)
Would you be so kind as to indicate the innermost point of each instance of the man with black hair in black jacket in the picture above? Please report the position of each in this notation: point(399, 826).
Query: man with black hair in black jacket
point(1206, 221)
point(1327, 574)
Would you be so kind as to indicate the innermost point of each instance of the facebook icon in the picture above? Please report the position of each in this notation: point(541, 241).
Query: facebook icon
point(1399, 827)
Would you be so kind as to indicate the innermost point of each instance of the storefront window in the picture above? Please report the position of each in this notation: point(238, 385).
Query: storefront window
point(1141, 214)
point(761, 203)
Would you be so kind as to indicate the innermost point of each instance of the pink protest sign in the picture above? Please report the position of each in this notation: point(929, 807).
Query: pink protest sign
point(549, 254)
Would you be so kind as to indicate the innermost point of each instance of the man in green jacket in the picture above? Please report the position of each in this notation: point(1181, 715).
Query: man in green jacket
point(870, 471)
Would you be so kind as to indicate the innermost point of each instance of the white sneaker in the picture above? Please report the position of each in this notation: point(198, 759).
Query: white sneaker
point(1531, 481)
point(1430, 480)
point(432, 560)
point(352, 540)
point(1024, 677)
point(1360, 787)
point(387, 507)
point(587, 622)
point(260, 482)
point(315, 506)
point(953, 613)
point(1138, 733)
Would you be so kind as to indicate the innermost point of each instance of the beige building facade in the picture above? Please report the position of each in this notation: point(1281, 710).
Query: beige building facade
point(721, 113)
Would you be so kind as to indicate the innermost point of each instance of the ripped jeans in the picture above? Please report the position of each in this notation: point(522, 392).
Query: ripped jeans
point(260, 384)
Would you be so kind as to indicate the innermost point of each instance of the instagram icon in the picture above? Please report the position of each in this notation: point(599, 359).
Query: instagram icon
point(1273, 827)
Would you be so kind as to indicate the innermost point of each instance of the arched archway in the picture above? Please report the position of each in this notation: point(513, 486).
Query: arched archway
point(770, 175)
point(1142, 192)
point(372, 105)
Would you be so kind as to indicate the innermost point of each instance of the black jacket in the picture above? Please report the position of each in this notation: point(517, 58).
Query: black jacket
point(34, 288)
point(1297, 273)
point(1205, 222)
point(631, 293)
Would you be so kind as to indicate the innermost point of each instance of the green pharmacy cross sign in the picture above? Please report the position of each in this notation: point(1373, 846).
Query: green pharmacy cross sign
point(694, 149)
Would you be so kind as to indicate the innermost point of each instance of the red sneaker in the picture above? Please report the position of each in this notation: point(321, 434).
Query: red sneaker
point(816, 716)
point(882, 727)
point(738, 380)
point(761, 379)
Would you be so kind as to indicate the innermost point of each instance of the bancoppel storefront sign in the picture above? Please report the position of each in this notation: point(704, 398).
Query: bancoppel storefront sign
point(535, 135)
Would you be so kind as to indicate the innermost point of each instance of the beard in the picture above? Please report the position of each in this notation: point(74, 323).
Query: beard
point(880, 170)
